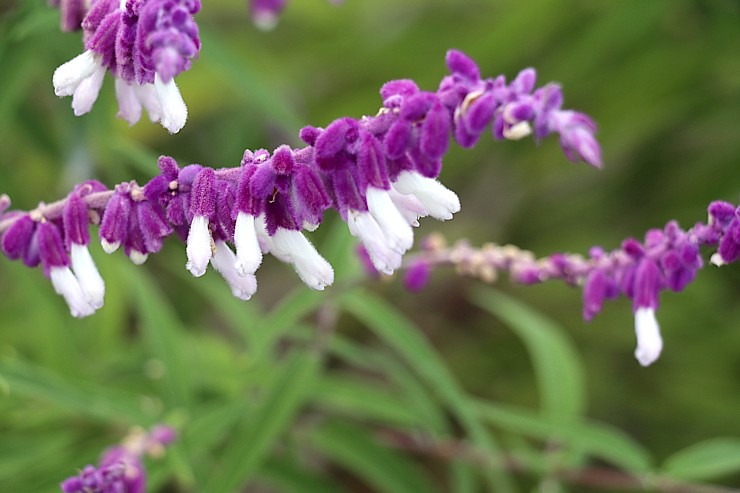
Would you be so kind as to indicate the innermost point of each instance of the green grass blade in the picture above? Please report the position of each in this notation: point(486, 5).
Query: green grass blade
point(361, 399)
point(596, 440)
point(161, 329)
point(382, 468)
point(707, 460)
point(95, 401)
point(254, 438)
point(400, 334)
point(560, 375)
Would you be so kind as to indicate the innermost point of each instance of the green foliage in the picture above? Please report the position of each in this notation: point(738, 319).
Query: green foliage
point(365, 387)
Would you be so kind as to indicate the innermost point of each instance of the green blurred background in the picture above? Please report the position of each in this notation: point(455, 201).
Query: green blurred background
point(661, 78)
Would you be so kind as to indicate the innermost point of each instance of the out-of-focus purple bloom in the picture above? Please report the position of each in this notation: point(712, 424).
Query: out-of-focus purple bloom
point(72, 12)
point(144, 44)
point(121, 469)
point(265, 13)
point(417, 275)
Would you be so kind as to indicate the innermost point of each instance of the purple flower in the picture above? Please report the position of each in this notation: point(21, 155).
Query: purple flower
point(71, 13)
point(417, 276)
point(121, 469)
point(265, 13)
point(144, 44)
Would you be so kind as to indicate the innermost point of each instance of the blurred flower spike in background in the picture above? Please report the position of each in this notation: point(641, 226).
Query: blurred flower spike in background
point(121, 469)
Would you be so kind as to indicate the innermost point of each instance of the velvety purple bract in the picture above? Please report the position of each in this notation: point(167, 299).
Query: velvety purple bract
point(75, 220)
point(17, 238)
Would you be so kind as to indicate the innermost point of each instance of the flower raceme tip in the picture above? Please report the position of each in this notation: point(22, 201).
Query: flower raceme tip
point(666, 259)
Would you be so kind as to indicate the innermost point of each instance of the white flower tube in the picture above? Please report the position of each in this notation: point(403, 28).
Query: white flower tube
point(174, 111)
point(223, 260)
point(438, 200)
point(649, 341)
point(396, 228)
point(87, 275)
point(366, 228)
point(311, 267)
point(65, 283)
point(248, 251)
point(198, 248)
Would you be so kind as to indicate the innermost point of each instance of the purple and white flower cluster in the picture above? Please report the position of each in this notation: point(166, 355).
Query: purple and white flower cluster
point(144, 45)
point(667, 259)
point(120, 469)
point(379, 173)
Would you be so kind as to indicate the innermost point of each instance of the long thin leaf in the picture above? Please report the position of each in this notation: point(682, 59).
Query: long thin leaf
point(560, 375)
point(707, 460)
point(399, 333)
point(382, 468)
point(255, 436)
point(289, 477)
point(95, 401)
point(162, 334)
point(361, 399)
point(592, 439)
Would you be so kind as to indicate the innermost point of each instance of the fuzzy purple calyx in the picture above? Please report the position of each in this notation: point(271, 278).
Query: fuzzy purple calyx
point(75, 220)
point(51, 247)
point(460, 64)
point(17, 239)
point(203, 193)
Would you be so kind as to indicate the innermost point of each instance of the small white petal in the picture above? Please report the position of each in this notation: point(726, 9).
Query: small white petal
point(69, 75)
point(147, 96)
point(649, 342)
point(88, 276)
point(109, 247)
point(248, 252)
point(87, 92)
point(364, 226)
point(438, 200)
point(409, 206)
point(263, 238)
point(716, 259)
point(311, 267)
point(397, 230)
point(129, 106)
point(518, 131)
point(198, 248)
point(65, 283)
point(310, 227)
point(138, 257)
point(223, 260)
point(174, 111)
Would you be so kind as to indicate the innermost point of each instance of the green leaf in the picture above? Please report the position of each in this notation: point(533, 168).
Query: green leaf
point(382, 468)
point(287, 476)
point(596, 440)
point(560, 375)
point(95, 401)
point(284, 316)
point(707, 460)
point(253, 438)
point(362, 399)
point(162, 329)
point(400, 334)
